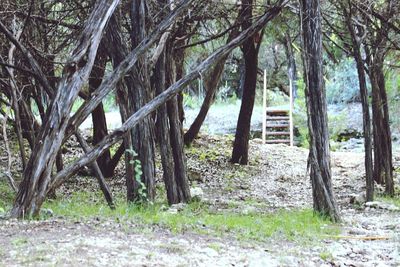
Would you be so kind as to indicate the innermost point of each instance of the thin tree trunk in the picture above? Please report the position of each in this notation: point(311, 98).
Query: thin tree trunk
point(163, 134)
point(383, 162)
point(319, 157)
point(98, 115)
point(368, 162)
point(240, 153)
point(211, 83)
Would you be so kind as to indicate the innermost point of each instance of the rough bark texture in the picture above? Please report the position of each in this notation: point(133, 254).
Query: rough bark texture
point(240, 153)
point(319, 157)
point(176, 135)
point(163, 135)
point(355, 38)
point(142, 134)
point(36, 177)
point(161, 99)
point(383, 162)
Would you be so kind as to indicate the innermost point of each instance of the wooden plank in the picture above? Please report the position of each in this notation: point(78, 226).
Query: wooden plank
point(278, 125)
point(278, 141)
point(278, 118)
point(278, 112)
point(278, 133)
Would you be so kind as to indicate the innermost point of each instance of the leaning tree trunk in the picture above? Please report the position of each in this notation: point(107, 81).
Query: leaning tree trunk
point(211, 83)
point(319, 158)
point(240, 153)
point(36, 177)
point(368, 162)
point(150, 107)
point(383, 162)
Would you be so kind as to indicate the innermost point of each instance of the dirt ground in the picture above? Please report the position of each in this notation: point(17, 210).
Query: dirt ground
point(276, 177)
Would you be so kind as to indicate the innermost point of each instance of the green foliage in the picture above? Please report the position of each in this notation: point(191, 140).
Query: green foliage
point(300, 115)
point(392, 83)
point(342, 86)
point(137, 165)
point(6, 195)
point(337, 124)
point(297, 225)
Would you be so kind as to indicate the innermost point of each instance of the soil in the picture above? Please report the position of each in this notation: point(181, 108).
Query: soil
point(276, 178)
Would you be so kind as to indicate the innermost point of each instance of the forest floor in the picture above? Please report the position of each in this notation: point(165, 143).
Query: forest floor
point(256, 215)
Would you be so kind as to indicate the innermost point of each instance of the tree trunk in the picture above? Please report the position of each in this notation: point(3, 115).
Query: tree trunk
point(143, 134)
point(383, 162)
point(368, 162)
point(163, 135)
point(36, 177)
point(98, 116)
point(211, 83)
point(240, 152)
point(319, 158)
point(176, 135)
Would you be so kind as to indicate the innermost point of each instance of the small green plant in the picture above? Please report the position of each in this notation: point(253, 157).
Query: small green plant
point(137, 165)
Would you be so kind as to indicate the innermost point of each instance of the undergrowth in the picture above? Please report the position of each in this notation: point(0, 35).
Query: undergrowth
point(296, 225)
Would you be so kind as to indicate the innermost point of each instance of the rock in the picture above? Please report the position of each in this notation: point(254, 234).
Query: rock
point(209, 252)
point(382, 205)
point(197, 193)
point(357, 199)
point(46, 212)
point(195, 175)
point(249, 210)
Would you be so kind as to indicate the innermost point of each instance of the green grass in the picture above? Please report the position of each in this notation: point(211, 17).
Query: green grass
point(291, 225)
point(392, 200)
point(6, 195)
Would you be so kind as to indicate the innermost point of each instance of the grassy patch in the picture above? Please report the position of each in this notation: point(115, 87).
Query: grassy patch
point(6, 196)
point(392, 200)
point(196, 217)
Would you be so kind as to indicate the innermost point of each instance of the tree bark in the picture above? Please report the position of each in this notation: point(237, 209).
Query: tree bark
point(142, 134)
point(240, 153)
point(36, 177)
point(319, 157)
point(368, 162)
point(383, 162)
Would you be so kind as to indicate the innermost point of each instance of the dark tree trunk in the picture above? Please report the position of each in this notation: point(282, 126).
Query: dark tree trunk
point(240, 152)
point(143, 134)
point(163, 134)
point(383, 162)
point(98, 116)
point(319, 158)
point(176, 134)
point(368, 163)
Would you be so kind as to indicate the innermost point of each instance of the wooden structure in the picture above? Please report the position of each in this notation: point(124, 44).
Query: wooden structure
point(277, 123)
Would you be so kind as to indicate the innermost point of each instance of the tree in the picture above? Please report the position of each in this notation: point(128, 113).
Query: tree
point(356, 50)
point(319, 155)
point(251, 47)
